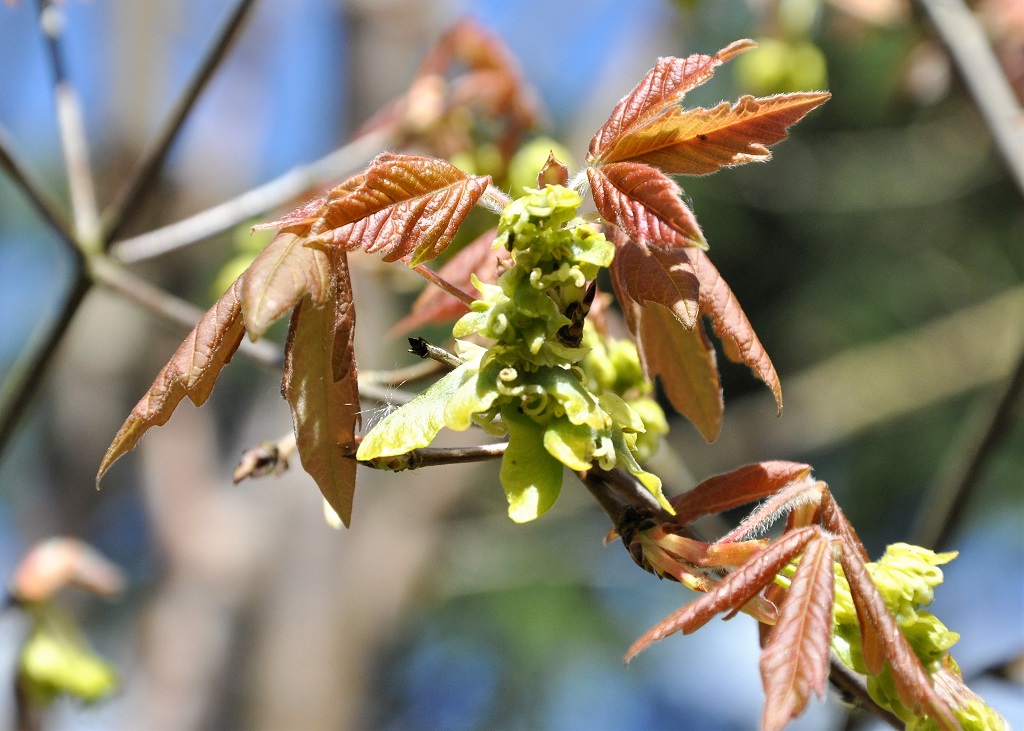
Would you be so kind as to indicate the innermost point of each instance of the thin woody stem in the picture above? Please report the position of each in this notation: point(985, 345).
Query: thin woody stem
point(434, 278)
point(437, 456)
point(40, 200)
point(138, 182)
point(423, 349)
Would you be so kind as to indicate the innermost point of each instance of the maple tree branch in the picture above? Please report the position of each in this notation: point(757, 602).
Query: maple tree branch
point(47, 209)
point(423, 349)
point(71, 127)
point(27, 374)
point(117, 214)
point(973, 55)
point(437, 456)
point(256, 201)
point(945, 506)
point(631, 490)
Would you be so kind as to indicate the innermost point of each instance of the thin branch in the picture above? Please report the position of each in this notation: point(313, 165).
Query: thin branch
point(256, 201)
point(423, 349)
point(138, 182)
point(46, 208)
point(71, 125)
point(980, 69)
point(437, 456)
point(608, 499)
point(946, 505)
point(436, 279)
point(266, 458)
point(853, 688)
point(632, 491)
point(25, 377)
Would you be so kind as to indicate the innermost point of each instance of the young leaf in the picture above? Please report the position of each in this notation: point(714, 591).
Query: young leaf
point(320, 385)
point(700, 141)
point(738, 487)
point(663, 87)
point(685, 361)
point(532, 478)
point(795, 661)
point(731, 324)
point(407, 205)
point(645, 203)
point(434, 305)
point(732, 592)
point(644, 275)
point(279, 277)
point(190, 372)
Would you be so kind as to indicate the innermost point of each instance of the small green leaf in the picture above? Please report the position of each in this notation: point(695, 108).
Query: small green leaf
point(532, 478)
point(416, 423)
point(569, 444)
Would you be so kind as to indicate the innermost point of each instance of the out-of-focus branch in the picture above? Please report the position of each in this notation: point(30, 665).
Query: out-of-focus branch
point(255, 202)
point(71, 126)
point(980, 69)
point(138, 182)
point(40, 200)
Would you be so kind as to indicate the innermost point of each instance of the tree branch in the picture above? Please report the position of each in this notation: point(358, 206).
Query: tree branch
point(963, 36)
point(117, 213)
point(37, 197)
point(256, 201)
point(423, 349)
point(437, 456)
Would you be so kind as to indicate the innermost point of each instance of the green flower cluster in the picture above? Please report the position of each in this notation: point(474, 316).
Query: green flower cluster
point(530, 382)
point(906, 577)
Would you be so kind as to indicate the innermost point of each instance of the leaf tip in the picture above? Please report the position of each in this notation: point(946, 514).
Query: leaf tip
point(736, 48)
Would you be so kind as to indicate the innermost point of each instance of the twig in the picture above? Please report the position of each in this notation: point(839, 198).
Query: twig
point(40, 200)
point(266, 458)
point(434, 278)
point(632, 491)
point(946, 504)
point(25, 377)
point(609, 500)
point(71, 126)
point(980, 69)
point(423, 349)
point(437, 456)
point(852, 686)
point(138, 182)
point(255, 201)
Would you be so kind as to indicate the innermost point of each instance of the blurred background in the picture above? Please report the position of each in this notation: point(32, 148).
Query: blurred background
point(879, 255)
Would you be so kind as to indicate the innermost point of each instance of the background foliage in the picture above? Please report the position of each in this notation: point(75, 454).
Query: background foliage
point(878, 256)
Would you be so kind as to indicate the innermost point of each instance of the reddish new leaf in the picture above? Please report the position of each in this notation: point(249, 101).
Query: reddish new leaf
point(731, 323)
point(881, 635)
point(732, 593)
point(663, 87)
point(434, 305)
point(320, 385)
point(795, 661)
point(300, 219)
point(279, 277)
point(685, 361)
point(735, 488)
point(407, 205)
point(643, 275)
point(58, 562)
point(700, 141)
point(645, 203)
point(191, 371)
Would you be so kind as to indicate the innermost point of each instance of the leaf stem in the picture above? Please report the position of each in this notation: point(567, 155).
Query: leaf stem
point(436, 279)
point(138, 182)
point(256, 201)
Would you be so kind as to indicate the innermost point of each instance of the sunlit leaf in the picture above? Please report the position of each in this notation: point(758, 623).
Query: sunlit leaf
point(666, 278)
point(661, 88)
point(532, 478)
point(645, 203)
point(407, 205)
point(737, 487)
point(321, 388)
point(279, 277)
point(700, 141)
point(795, 661)
point(732, 592)
point(731, 324)
point(191, 371)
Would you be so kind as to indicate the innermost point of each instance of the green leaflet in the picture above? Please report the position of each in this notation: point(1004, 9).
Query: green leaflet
point(532, 478)
point(415, 424)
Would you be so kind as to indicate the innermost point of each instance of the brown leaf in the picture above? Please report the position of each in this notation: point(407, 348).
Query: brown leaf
point(795, 662)
point(643, 275)
point(320, 385)
point(732, 592)
point(554, 172)
point(685, 361)
point(700, 141)
point(59, 562)
point(731, 324)
point(882, 638)
point(662, 87)
point(738, 487)
point(406, 205)
point(191, 371)
point(301, 218)
point(434, 305)
point(645, 203)
point(279, 277)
